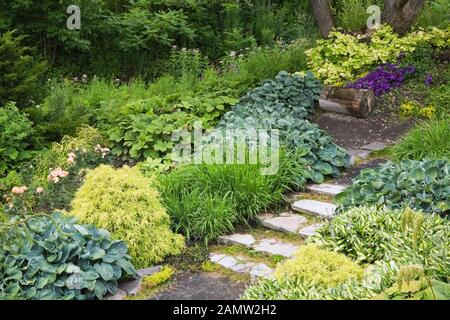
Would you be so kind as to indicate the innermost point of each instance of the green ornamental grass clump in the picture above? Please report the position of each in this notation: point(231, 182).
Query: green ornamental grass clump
point(54, 257)
point(421, 185)
point(206, 201)
point(123, 202)
point(429, 139)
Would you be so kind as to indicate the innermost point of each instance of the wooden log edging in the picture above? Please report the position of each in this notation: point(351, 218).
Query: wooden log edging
point(359, 103)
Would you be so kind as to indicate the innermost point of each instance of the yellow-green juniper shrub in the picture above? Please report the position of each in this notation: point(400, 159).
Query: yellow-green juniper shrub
point(124, 203)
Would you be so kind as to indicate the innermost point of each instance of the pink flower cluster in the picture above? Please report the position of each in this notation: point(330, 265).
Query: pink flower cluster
point(71, 158)
point(56, 174)
point(104, 151)
point(19, 190)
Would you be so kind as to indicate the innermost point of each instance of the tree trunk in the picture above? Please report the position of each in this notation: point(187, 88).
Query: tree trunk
point(355, 102)
point(401, 14)
point(322, 13)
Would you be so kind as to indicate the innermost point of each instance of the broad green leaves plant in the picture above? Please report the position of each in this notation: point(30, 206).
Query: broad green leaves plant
point(15, 131)
point(371, 235)
point(421, 185)
point(56, 258)
point(284, 104)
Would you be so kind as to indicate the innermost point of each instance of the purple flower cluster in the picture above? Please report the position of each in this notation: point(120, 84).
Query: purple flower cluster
point(383, 79)
point(429, 80)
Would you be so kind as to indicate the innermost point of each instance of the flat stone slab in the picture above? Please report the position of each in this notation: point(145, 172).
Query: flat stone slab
point(120, 295)
point(241, 239)
point(318, 208)
point(149, 271)
point(309, 231)
point(131, 287)
point(243, 267)
point(290, 223)
point(275, 247)
point(261, 271)
point(376, 146)
point(326, 189)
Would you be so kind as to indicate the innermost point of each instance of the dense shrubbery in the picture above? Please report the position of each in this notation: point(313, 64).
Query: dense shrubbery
point(20, 72)
point(60, 259)
point(128, 39)
point(15, 132)
point(421, 185)
point(428, 139)
point(344, 57)
point(123, 202)
point(206, 201)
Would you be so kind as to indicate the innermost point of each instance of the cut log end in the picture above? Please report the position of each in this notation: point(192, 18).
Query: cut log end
point(355, 102)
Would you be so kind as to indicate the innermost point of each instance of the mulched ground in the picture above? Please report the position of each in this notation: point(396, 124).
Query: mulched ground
point(383, 125)
point(190, 285)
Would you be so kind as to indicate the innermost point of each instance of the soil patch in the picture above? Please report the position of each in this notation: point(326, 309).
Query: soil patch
point(191, 285)
point(383, 125)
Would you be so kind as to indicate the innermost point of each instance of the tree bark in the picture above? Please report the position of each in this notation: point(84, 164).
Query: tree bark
point(322, 13)
point(401, 14)
point(359, 103)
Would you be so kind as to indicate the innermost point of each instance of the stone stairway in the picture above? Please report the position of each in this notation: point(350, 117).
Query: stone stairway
point(306, 217)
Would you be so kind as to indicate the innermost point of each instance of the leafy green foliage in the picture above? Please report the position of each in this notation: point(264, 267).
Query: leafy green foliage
point(206, 201)
point(15, 132)
point(128, 39)
point(421, 185)
point(20, 71)
point(283, 104)
point(402, 237)
point(352, 14)
point(313, 274)
point(325, 268)
point(123, 202)
point(56, 258)
point(427, 140)
point(344, 58)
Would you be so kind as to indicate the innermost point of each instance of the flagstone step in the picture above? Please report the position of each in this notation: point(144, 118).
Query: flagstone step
point(326, 189)
point(246, 240)
point(276, 247)
point(286, 222)
point(310, 231)
point(318, 208)
point(240, 265)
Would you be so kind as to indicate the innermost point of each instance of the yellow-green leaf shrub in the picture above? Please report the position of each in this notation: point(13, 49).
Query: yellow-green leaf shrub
point(319, 266)
point(123, 202)
point(343, 57)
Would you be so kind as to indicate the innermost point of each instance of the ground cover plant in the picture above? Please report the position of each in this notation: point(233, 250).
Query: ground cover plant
point(57, 258)
point(123, 202)
point(421, 185)
point(428, 139)
point(206, 201)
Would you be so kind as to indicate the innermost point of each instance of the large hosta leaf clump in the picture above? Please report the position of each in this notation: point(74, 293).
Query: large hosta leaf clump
point(286, 104)
point(421, 185)
point(56, 258)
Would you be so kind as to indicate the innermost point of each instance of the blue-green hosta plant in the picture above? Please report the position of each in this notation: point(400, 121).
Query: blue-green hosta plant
point(56, 258)
point(421, 185)
point(285, 104)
